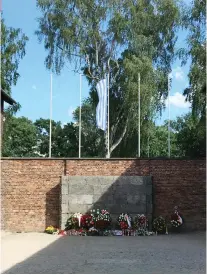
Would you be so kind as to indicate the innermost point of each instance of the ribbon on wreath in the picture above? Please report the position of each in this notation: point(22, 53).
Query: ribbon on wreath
point(79, 216)
point(180, 220)
point(128, 221)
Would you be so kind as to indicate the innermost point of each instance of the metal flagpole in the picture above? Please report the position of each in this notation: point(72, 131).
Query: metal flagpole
point(80, 117)
point(139, 115)
point(108, 117)
point(50, 141)
point(169, 116)
point(148, 147)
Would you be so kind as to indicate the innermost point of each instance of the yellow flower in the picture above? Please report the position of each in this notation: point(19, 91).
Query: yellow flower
point(50, 227)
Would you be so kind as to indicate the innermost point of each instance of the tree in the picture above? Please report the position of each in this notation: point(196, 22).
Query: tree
point(73, 30)
point(19, 137)
point(13, 43)
point(191, 135)
point(154, 142)
point(92, 138)
point(154, 139)
point(64, 139)
point(67, 141)
point(43, 130)
point(194, 20)
point(119, 38)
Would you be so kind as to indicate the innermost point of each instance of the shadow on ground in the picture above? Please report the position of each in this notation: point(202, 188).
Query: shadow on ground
point(184, 253)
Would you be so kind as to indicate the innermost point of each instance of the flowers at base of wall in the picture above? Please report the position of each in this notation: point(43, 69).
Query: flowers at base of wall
point(77, 232)
point(125, 221)
point(98, 223)
point(52, 230)
point(140, 221)
point(87, 221)
point(78, 216)
point(101, 219)
point(55, 231)
point(72, 222)
point(159, 225)
point(141, 225)
point(176, 219)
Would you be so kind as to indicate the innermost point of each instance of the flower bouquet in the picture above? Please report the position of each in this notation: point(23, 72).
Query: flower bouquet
point(101, 219)
point(87, 221)
point(52, 230)
point(176, 220)
point(141, 223)
point(159, 225)
point(124, 221)
point(73, 222)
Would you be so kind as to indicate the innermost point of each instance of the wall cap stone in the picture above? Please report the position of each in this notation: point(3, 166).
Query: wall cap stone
point(103, 159)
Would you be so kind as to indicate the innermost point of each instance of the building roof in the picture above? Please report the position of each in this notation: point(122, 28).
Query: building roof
point(5, 97)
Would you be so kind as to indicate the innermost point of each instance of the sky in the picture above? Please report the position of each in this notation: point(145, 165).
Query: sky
point(33, 87)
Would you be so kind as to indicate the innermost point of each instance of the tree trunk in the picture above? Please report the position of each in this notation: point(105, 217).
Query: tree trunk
point(111, 149)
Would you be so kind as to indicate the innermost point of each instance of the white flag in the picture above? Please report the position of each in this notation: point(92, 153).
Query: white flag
point(101, 109)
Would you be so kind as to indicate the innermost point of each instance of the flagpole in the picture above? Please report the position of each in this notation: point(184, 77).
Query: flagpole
point(139, 115)
point(108, 113)
point(169, 116)
point(148, 149)
point(80, 117)
point(50, 140)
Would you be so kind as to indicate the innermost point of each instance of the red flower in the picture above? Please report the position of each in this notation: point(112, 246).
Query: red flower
point(123, 225)
point(174, 217)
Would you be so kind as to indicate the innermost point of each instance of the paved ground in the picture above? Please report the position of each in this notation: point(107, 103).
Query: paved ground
point(42, 253)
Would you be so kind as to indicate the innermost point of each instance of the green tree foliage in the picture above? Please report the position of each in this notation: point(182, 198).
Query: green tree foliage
point(13, 43)
point(43, 130)
point(101, 28)
point(92, 138)
point(154, 139)
point(68, 141)
point(192, 133)
point(191, 136)
point(194, 20)
point(22, 138)
point(19, 137)
point(64, 139)
point(158, 143)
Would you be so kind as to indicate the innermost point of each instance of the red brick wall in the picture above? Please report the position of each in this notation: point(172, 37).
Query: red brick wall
point(31, 187)
point(30, 193)
point(107, 167)
point(181, 183)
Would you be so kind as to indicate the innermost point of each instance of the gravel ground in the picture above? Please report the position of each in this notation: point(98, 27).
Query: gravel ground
point(28, 253)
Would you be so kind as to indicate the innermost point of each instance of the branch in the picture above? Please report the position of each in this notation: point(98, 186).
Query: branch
point(114, 127)
point(120, 139)
point(69, 52)
point(89, 70)
point(117, 65)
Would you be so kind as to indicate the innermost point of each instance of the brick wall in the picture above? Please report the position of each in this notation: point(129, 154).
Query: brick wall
point(30, 188)
point(30, 193)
